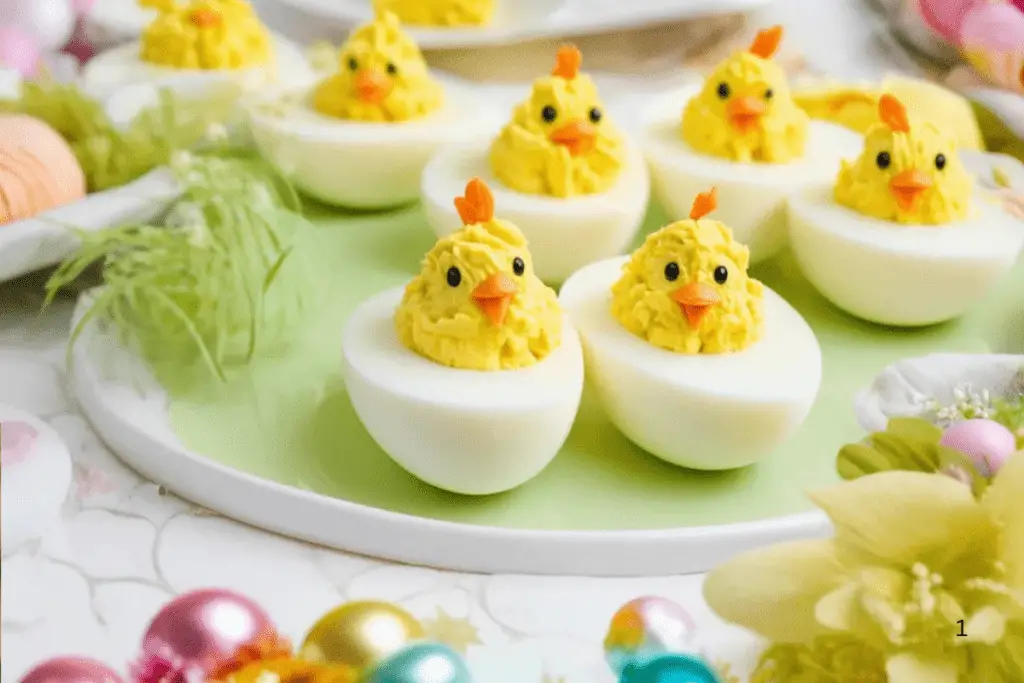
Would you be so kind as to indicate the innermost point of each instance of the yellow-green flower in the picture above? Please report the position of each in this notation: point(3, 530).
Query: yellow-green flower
point(920, 573)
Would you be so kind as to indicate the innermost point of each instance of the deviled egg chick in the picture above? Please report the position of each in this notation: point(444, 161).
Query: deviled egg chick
point(902, 237)
point(362, 135)
point(199, 44)
point(742, 132)
point(470, 377)
point(449, 13)
point(560, 168)
point(693, 360)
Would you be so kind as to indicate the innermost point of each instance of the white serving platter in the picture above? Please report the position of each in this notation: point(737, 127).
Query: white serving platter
point(128, 410)
point(113, 21)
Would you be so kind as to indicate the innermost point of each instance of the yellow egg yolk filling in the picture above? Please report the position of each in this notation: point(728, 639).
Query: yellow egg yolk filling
point(745, 112)
point(381, 77)
point(439, 12)
point(909, 172)
point(686, 288)
point(560, 142)
point(477, 304)
point(206, 34)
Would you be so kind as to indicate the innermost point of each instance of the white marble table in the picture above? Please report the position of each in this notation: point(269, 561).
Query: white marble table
point(126, 546)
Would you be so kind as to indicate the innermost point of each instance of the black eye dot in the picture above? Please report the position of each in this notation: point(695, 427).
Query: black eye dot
point(721, 274)
point(723, 90)
point(940, 161)
point(518, 267)
point(595, 115)
point(392, 69)
point(353, 63)
point(672, 271)
point(883, 160)
point(454, 277)
point(769, 93)
point(548, 113)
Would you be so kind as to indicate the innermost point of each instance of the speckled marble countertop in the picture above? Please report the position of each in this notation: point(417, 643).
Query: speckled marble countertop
point(126, 546)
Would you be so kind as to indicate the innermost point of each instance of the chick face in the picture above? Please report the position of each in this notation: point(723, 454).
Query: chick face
point(477, 303)
point(686, 289)
point(909, 172)
point(205, 34)
point(560, 142)
point(439, 12)
point(381, 76)
point(745, 111)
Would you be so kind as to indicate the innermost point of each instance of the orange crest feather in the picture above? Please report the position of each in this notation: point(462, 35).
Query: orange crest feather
point(705, 203)
point(478, 204)
point(893, 113)
point(766, 42)
point(567, 62)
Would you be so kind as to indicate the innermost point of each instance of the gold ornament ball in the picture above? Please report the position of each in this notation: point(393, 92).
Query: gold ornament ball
point(360, 634)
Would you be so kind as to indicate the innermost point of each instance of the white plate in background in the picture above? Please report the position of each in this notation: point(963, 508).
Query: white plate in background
point(115, 21)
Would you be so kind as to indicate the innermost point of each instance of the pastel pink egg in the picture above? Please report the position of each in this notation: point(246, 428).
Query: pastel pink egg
point(945, 16)
point(19, 51)
point(992, 39)
point(987, 443)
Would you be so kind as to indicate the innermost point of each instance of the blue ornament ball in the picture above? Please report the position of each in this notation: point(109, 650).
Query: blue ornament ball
point(422, 663)
point(671, 667)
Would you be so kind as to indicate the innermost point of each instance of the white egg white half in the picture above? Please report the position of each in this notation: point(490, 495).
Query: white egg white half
point(357, 164)
point(705, 412)
point(564, 233)
point(467, 431)
point(122, 66)
point(751, 196)
point(906, 275)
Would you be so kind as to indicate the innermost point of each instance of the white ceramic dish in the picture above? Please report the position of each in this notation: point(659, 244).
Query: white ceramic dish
point(130, 415)
point(516, 21)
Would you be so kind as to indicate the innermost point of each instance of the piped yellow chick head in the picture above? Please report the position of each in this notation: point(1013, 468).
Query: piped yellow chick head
point(205, 34)
point(477, 303)
point(381, 76)
point(909, 172)
point(686, 288)
point(745, 111)
point(560, 142)
point(439, 12)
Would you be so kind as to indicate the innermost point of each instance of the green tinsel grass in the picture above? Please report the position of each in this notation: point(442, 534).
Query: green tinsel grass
point(212, 281)
point(111, 156)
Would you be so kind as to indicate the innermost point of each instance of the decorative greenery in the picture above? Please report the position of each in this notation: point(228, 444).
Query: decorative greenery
point(910, 444)
point(201, 285)
point(923, 582)
point(113, 156)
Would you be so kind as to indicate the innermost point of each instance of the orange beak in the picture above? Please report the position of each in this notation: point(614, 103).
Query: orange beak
point(577, 136)
point(372, 86)
point(746, 112)
point(695, 300)
point(908, 186)
point(201, 18)
point(494, 295)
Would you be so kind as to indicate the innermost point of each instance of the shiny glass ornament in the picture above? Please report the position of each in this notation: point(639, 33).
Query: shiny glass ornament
point(422, 663)
point(360, 634)
point(645, 626)
point(669, 667)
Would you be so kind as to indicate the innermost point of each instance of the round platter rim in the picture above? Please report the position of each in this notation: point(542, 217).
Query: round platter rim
point(409, 539)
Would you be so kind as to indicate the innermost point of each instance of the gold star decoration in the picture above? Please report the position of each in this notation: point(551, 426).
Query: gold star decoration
point(456, 633)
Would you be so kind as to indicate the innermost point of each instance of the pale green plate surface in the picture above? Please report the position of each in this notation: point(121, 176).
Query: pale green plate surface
point(290, 420)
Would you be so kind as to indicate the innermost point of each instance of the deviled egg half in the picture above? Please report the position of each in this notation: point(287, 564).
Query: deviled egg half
point(742, 133)
point(470, 377)
point(201, 44)
point(560, 168)
point(693, 360)
point(361, 137)
point(902, 237)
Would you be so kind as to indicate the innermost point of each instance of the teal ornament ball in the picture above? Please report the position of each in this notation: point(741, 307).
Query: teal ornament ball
point(422, 663)
point(671, 667)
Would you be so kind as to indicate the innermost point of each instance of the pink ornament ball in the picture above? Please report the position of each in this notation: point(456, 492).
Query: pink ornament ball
point(198, 632)
point(945, 16)
point(19, 51)
point(71, 670)
point(987, 443)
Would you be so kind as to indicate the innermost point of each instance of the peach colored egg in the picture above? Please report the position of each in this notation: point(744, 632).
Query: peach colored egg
point(38, 170)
